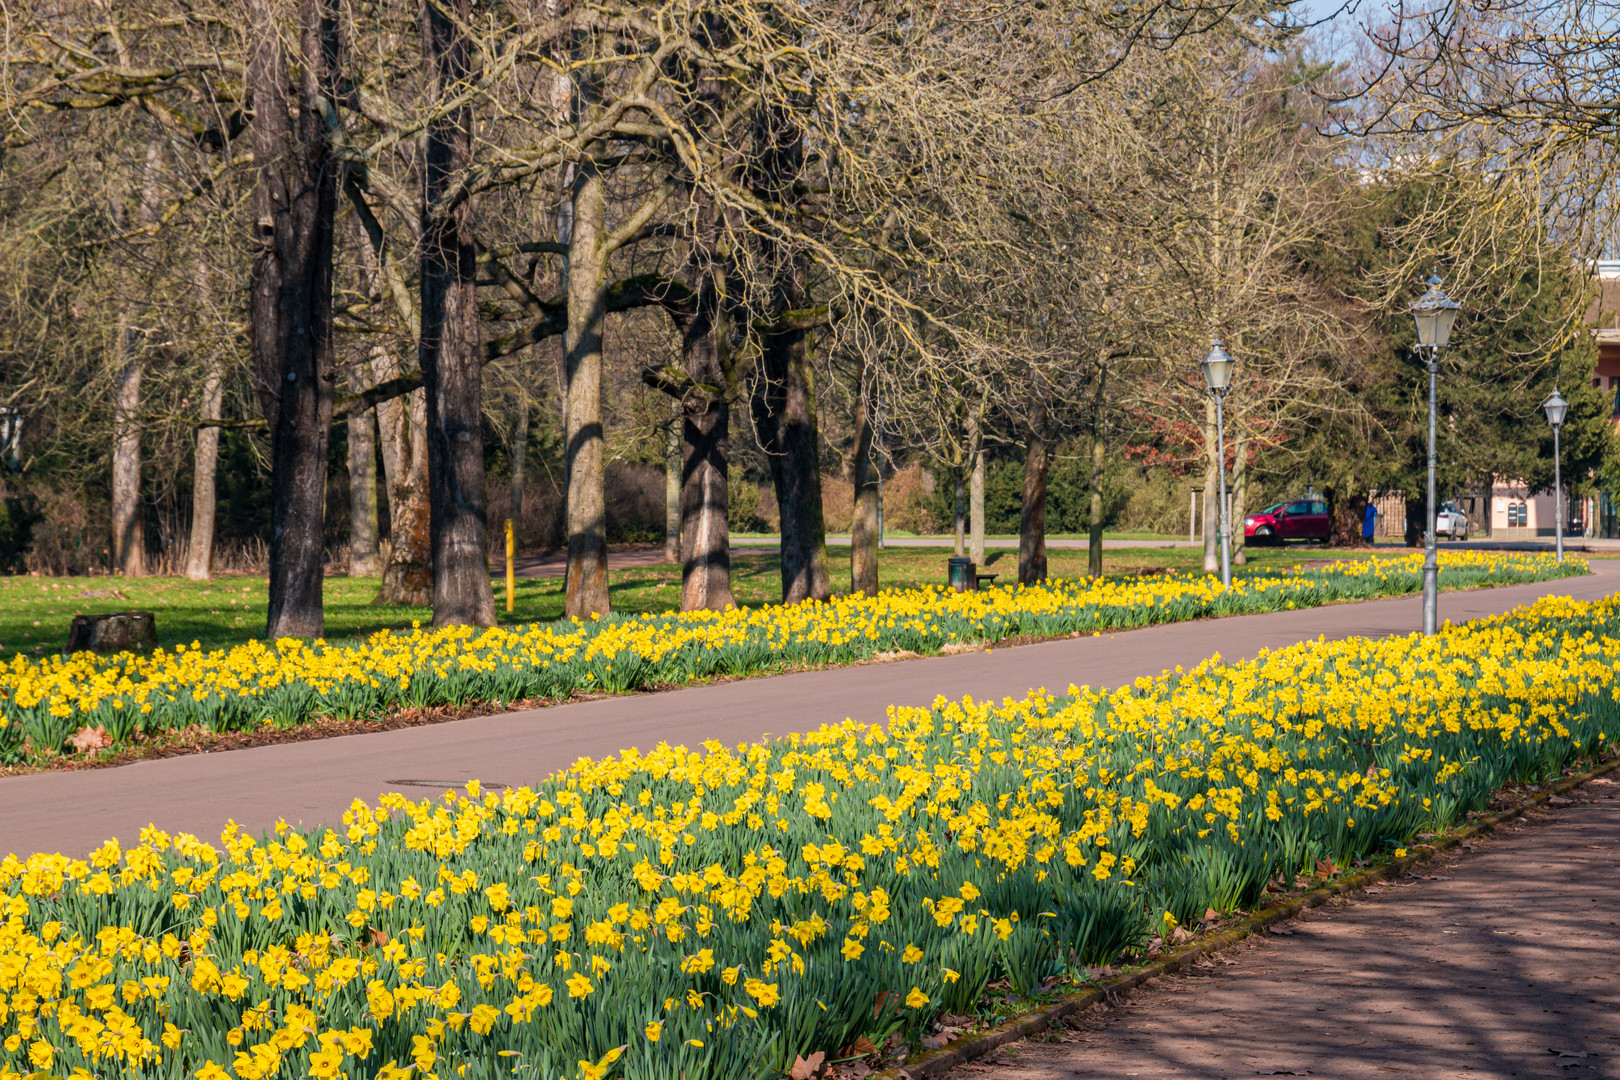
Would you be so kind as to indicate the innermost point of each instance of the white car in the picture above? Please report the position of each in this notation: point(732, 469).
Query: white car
point(1451, 522)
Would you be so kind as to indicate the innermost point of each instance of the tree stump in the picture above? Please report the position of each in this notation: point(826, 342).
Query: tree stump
point(124, 632)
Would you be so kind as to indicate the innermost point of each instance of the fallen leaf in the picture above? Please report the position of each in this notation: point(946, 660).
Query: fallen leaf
point(1211, 915)
point(100, 594)
point(895, 1044)
point(1568, 1053)
point(934, 1042)
point(1325, 868)
point(1559, 800)
point(861, 1047)
point(1180, 936)
point(90, 738)
point(806, 1067)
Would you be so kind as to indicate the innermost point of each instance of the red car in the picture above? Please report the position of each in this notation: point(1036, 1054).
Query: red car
point(1303, 519)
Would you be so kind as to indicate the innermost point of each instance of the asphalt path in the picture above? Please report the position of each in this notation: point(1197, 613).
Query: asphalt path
point(313, 782)
point(1500, 962)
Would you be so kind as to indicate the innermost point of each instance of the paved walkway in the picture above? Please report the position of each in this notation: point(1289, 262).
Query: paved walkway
point(1501, 963)
point(313, 782)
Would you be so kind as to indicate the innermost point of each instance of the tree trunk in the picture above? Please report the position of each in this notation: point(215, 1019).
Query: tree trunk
point(672, 482)
point(702, 407)
point(407, 579)
point(290, 300)
point(517, 459)
point(784, 408)
point(128, 529)
point(1099, 455)
point(1032, 517)
point(128, 534)
point(976, 493)
point(863, 529)
point(586, 592)
point(205, 474)
point(784, 402)
point(1240, 497)
point(1347, 515)
point(705, 433)
point(451, 356)
point(705, 539)
point(1212, 493)
point(958, 511)
point(365, 559)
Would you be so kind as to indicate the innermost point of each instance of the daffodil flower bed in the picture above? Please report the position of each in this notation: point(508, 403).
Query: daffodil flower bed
point(45, 701)
point(717, 913)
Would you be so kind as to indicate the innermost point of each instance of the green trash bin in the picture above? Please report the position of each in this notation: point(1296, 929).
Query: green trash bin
point(963, 574)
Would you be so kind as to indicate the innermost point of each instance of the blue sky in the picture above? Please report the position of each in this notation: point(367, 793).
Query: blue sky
point(1319, 9)
point(1346, 19)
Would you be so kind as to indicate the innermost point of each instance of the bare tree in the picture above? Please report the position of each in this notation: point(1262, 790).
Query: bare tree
point(205, 472)
point(365, 557)
point(294, 205)
point(451, 358)
point(128, 532)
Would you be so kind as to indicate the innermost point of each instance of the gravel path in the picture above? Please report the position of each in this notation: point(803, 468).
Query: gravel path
point(1499, 962)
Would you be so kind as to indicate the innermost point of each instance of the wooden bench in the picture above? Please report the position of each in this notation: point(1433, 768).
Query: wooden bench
point(979, 580)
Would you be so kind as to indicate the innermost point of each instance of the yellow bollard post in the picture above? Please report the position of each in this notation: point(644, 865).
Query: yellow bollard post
point(511, 574)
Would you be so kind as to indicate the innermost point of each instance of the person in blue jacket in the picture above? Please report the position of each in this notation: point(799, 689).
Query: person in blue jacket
point(1369, 523)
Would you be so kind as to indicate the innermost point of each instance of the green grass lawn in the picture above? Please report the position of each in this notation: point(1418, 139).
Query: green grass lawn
point(35, 612)
point(945, 538)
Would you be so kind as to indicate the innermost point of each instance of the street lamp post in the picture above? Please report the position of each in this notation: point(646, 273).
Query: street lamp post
point(1556, 408)
point(1434, 314)
point(1218, 377)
